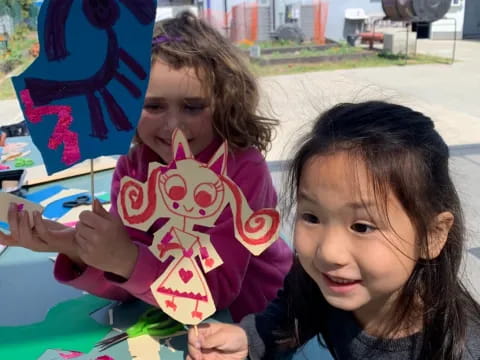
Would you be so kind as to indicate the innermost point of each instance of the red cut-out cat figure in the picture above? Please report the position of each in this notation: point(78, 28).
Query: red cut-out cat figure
point(191, 193)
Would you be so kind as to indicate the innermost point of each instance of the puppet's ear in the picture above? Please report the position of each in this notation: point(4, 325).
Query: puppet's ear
point(180, 146)
point(218, 162)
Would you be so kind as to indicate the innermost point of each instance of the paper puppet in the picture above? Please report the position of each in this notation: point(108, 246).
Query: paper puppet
point(191, 193)
point(83, 95)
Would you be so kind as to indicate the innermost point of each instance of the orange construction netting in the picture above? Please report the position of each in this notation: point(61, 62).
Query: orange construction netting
point(320, 21)
point(240, 24)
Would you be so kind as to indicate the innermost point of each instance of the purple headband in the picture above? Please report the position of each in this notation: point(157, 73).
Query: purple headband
point(165, 38)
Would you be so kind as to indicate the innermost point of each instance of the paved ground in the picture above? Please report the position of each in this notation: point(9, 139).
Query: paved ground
point(448, 93)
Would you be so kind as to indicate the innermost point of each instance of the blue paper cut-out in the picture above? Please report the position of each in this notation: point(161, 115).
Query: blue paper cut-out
point(82, 97)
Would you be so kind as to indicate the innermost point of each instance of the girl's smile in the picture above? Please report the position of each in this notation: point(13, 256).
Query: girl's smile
point(340, 285)
point(358, 257)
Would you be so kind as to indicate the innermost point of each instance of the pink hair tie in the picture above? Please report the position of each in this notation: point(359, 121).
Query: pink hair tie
point(165, 38)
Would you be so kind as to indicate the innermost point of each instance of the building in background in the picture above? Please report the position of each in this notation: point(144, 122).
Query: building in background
point(471, 25)
point(465, 14)
point(445, 29)
point(170, 8)
point(463, 20)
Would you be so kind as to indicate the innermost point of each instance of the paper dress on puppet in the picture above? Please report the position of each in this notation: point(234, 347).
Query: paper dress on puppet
point(191, 193)
point(83, 95)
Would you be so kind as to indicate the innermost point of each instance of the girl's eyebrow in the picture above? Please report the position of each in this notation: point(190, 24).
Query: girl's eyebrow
point(361, 205)
point(354, 205)
point(302, 195)
point(188, 99)
point(195, 99)
point(154, 98)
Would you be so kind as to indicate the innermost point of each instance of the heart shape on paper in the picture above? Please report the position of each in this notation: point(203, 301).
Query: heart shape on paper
point(185, 275)
point(188, 253)
point(209, 262)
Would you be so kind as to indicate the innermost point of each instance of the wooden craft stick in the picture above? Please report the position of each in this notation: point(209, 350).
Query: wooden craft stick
point(13, 156)
point(9, 157)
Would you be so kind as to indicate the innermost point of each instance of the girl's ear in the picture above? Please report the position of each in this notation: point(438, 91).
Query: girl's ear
point(439, 234)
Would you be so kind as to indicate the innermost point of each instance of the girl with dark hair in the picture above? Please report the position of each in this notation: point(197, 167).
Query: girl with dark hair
point(379, 238)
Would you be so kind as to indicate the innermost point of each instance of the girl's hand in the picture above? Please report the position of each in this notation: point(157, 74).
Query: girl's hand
point(104, 243)
point(217, 341)
point(43, 236)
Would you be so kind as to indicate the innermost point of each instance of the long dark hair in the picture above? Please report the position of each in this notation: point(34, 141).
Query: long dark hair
point(405, 155)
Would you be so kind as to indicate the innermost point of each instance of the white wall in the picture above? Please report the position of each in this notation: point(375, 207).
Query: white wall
point(219, 5)
point(336, 28)
point(444, 29)
point(6, 24)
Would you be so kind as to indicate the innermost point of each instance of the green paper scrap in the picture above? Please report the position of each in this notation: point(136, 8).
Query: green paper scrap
point(104, 197)
point(68, 325)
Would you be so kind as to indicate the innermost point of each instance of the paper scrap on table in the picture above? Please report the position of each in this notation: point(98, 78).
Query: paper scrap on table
point(60, 195)
point(61, 329)
point(144, 347)
point(23, 204)
point(74, 213)
point(52, 354)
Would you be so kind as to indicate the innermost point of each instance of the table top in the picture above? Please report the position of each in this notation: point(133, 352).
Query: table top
point(29, 291)
point(37, 174)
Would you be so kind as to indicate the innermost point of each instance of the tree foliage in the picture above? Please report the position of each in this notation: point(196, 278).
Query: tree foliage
point(7, 6)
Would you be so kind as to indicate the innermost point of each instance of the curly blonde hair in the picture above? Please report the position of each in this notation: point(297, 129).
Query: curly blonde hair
point(187, 41)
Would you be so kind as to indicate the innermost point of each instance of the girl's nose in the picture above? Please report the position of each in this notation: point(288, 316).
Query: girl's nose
point(332, 247)
point(173, 120)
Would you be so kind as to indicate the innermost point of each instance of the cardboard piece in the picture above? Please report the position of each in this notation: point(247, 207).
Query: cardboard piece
point(191, 193)
point(6, 199)
point(68, 325)
point(82, 97)
point(144, 347)
point(38, 174)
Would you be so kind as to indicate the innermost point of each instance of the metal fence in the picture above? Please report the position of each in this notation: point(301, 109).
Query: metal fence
point(248, 22)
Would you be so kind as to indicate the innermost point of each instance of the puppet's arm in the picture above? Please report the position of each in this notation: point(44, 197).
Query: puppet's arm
point(209, 257)
point(165, 244)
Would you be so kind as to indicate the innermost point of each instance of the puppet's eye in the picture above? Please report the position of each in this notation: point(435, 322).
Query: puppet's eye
point(176, 187)
point(205, 194)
